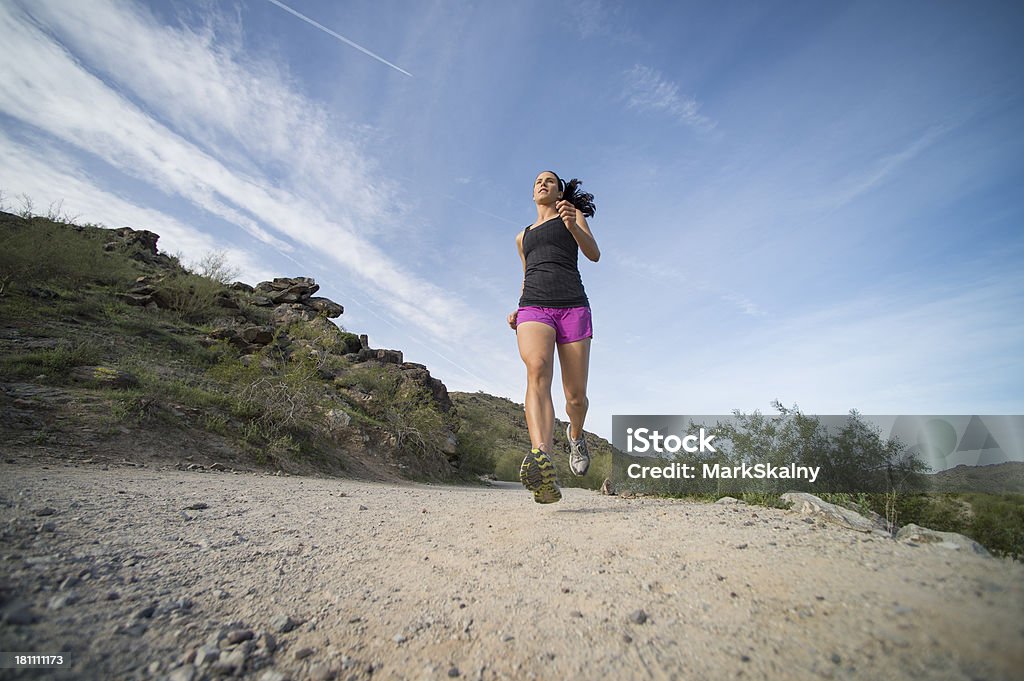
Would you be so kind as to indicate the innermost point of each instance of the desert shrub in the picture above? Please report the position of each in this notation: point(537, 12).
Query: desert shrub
point(996, 521)
point(403, 408)
point(214, 266)
point(275, 404)
point(477, 439)
point(325, 336)
point(191, 297)
point(38, 251)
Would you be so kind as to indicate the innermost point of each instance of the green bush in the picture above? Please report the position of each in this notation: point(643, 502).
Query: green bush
point(38, 251)
point(191, 297)
point(477, 442)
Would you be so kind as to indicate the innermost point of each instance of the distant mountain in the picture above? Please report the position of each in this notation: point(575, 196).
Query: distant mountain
point(998, 478)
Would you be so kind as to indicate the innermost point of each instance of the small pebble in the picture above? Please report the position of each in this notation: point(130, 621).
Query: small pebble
point(453, 672)
point(186, 673)
point(320, 672)
point(282, 624)
point(638, 617)
point(239, 635)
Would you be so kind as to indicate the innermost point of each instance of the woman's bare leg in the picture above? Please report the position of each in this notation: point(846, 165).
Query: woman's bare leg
point(574, 358)
point(537, 348)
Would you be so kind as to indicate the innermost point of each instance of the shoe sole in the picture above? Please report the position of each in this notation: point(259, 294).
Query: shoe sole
point(537, 473)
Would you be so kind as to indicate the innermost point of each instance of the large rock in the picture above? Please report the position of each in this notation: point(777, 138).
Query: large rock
point(381, 355)
point(290, 313)
point(419, 374)
point(288, 289)
point(327, 307)
point(260, 335)
point(802, 502)
point(224, 299)
point(947, 540)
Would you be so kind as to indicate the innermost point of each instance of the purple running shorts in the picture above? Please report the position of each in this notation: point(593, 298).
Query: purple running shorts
point(571, 324)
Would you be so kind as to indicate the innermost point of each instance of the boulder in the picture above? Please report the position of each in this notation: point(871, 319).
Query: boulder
point(336, 418)
point(382, 356)
point(223, 299)
point(327, 307)
point(451, 445)
point(260, 335)
point(419, 374)
point(802, 502)
point(948, 540)
point(289, 313)
point(142, 238)
point(288, 289)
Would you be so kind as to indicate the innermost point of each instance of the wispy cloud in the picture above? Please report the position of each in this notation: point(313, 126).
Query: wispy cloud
point(342, 38)
point(49, 176)
point(648, 90)
point(887, 165)
point(679, 280)
point(184, 115)
point(745, 305)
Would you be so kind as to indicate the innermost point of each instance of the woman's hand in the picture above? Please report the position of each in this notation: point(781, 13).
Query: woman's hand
point(512, 319)
point(567, 212)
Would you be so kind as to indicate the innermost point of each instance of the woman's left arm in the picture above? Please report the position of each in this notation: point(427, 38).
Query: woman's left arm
point(576, 223)
point(585, 238)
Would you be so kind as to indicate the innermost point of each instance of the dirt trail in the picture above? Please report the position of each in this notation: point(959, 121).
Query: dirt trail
point(420, 581)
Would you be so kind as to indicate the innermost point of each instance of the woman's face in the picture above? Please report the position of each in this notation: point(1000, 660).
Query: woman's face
point(545, 188)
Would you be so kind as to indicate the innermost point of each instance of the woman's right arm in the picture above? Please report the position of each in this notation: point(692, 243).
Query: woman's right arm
point(519, 247)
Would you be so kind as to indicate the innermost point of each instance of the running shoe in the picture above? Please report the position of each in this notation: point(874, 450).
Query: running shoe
point(537, 473)
point(579, 455)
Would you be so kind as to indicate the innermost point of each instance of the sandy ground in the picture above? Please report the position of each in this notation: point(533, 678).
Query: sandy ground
point(384, 581)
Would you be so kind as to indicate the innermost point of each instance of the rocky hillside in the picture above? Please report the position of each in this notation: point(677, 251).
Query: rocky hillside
point(111, 351)
point(496, 433)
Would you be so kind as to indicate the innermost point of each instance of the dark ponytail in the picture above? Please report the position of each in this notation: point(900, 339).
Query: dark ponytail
point(571, 192)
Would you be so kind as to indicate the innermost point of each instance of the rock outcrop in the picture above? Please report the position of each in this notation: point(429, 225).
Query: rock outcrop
point(810, 504)
point(140, 244)
point(915, 534)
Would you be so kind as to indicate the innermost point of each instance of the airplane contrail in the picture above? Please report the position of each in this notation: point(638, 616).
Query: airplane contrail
point(342, 38)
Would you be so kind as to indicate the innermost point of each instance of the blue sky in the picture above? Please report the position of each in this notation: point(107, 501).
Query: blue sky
point(806, 201)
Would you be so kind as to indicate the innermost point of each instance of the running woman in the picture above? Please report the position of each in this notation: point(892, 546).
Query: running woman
point(554, 312)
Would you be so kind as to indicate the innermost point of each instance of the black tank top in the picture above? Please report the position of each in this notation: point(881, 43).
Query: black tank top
point(552, 269)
